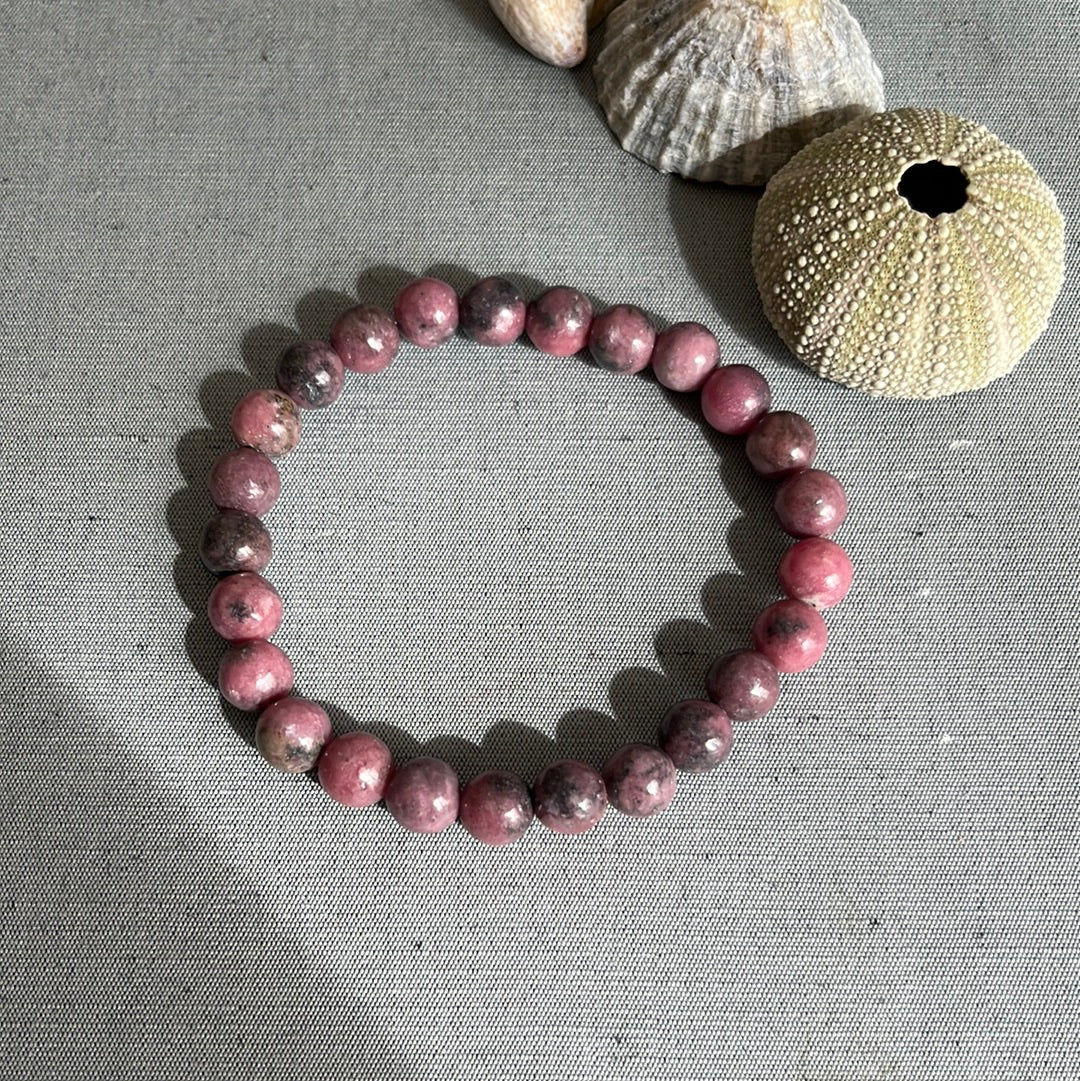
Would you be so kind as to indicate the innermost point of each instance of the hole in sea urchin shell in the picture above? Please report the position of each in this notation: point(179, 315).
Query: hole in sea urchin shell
point(934, 188)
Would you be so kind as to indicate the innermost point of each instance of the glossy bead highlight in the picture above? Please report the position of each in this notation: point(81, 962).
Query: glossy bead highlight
point(423, 795)
point(355, 769)
point(496, 808)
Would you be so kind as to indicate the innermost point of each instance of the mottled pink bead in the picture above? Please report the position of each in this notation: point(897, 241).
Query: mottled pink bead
point(621, 339)
point(780, 444)
point(559, 320)
point(253, 674)
point(355, 769)
point(423, 795)
point(243, 479)
point(244, 606)
point(811, 504)
point(569, 797)
point(426, 310)
point(291, 733)
point(791, 634)
point(684, 355)
point(311, 373)
point(817, 571)
point(267, 420)
point(744, 684)
point(234, 541)
point(734, 397)
point(492, 312)
point(366, 338)
point(496, 808)
point(640, 780)
point(696, 735)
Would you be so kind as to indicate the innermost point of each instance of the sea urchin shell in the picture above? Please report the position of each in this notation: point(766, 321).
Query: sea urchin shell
point(910, 254)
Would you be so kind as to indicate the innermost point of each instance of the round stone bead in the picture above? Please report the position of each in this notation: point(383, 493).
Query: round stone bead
point(355, 769)
point(621, 339)
point(791, 634)
point(780, 444)
point(696, 735)
point(423, 795)
point(234, 541)
point(311, 373)
point(744, 684)
point(810, 504)
point(365, 338)
point(640, 780)
point(426, 310)
point(559, 320)
point(267, 420)
point(817, 571)
point(243, 607)
point(291, 733)
point(734, 398)
point(492, 312)
point(254, 674)
point(684, 355)
point(569, 797)
point(243, 479)
point(496, 808)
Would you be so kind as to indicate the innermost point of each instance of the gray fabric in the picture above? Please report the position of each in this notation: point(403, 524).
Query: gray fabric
point(502, 558)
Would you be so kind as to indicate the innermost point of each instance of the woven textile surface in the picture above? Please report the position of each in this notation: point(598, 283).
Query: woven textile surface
point(502, 558)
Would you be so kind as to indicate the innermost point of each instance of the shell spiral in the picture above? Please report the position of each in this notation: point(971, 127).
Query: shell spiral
point(729, 90)
point(901, 291)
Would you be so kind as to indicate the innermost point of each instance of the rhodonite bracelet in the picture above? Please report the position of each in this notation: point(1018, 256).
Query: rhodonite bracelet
point(569, 796)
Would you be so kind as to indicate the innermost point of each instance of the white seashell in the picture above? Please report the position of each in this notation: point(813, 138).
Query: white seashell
point(553, 30)
point(730, 89)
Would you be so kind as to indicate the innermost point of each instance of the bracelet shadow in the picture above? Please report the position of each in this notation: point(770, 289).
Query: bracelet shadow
point(638, 697)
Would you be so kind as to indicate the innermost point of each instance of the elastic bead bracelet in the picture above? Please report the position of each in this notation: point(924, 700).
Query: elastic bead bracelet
point(357, 768)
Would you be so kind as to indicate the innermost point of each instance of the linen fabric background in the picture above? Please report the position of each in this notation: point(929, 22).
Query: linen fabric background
point(502, 558)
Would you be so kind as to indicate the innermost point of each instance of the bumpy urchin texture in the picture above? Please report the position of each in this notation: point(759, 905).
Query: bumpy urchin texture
point(909, 283)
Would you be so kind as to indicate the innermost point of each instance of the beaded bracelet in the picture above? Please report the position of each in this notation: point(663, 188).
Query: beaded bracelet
point(357, 768)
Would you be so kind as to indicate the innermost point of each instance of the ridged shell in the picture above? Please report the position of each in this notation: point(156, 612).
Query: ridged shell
point(729, 90)
point(874, 293)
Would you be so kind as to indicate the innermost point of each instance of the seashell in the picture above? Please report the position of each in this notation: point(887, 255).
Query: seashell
point(910, 254)
point(553, 30)
point(729, 89)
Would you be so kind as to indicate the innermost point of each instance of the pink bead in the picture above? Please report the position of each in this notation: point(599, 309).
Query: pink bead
point(291, 733)
point(492, 312)
point(365, 338)
point(640, 780)
point(558, 321)
point(311, 373)
point(817, 571)
point(811, 504)
point(791, 634)
point(696, 735)
point(780, 444)
point(496, 808)
point(569, 797)
point(243, 479)
point(355, 769)
point(253, 674)
point(426, 310)
point(734, 397)
point(744, 684)
point(621, 339)
point(423, 795)
point(684, 355)
point(234, 541)
point(243, 607)
point(268, 421)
